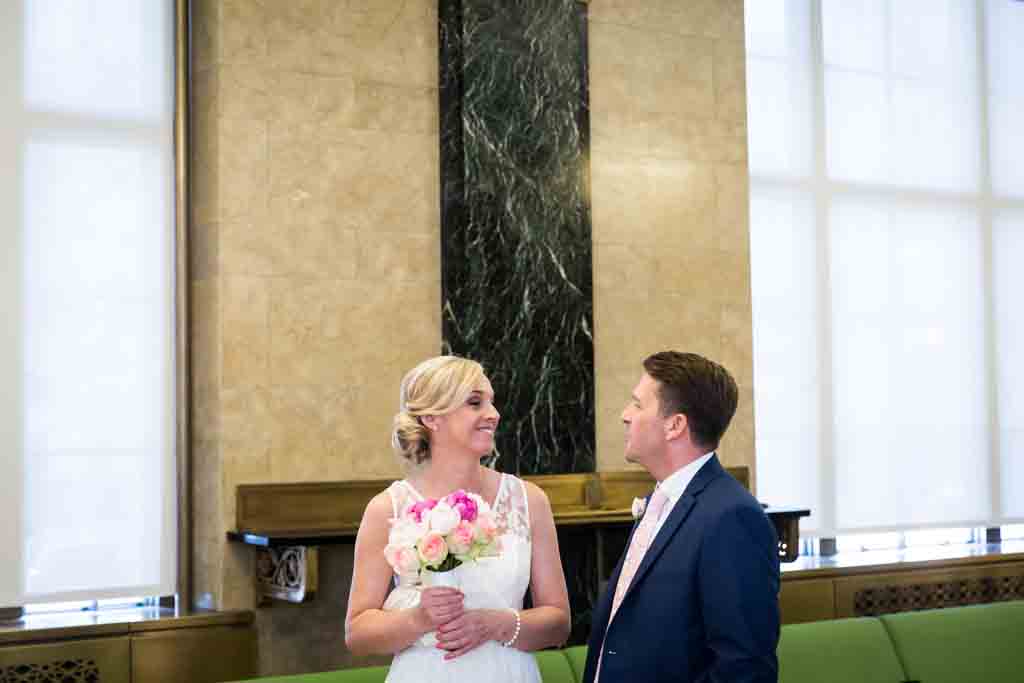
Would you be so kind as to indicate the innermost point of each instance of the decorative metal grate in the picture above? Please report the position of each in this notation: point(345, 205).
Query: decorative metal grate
point(286, 573)
point(918, 596)
point(60, 671)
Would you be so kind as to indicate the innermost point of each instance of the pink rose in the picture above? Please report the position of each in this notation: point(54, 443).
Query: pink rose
point(432, 549)
point(460, 540)
point(463, 504)
point(403, 559)
point(421, 507)
point(486, 529)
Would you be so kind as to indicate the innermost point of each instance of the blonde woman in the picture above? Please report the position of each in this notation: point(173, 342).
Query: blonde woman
point(445, 426)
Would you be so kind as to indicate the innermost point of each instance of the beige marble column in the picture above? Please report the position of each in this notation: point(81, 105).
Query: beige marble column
point(669, 178)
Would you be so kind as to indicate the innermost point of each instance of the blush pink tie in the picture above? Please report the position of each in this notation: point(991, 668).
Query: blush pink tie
point(642, 538)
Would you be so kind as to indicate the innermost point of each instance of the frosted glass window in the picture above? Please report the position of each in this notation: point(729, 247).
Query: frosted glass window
point(910, 117)
point(1008, 255)
point(770, 30)
point(854, 33)
point(778, 49)
point(785, 310)
point(779, 144)
point(885, 250)
point(87, 509)
point(908, 375)
point(78, 61)
point(857, 125)
point(1005, 51)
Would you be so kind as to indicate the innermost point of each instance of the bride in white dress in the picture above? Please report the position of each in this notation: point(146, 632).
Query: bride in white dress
point(445, 425)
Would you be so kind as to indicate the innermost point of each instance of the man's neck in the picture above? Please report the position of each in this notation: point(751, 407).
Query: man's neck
point(676, 460)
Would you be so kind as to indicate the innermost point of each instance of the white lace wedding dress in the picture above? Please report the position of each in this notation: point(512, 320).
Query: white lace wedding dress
point(492, 582)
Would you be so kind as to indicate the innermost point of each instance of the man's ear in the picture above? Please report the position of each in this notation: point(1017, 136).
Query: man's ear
point(676, 427)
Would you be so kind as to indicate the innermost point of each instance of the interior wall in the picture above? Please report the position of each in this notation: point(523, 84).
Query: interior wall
point(316, 261)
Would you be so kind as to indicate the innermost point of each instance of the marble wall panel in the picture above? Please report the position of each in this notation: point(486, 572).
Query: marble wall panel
point(669, 196)
point(245, 312)
point(205, 337)
point(517, 251)
point(707, 18)
point(653, 201)
point(205, 28)
point(242, 166)
point(395, 108)
point(730, 80)
point(668, 135)
point(378, 41)
point(299, 445)
point(204, 254)
point(243, 39)
point(314, 236)
point(651, 71)
point(381, 181)
point(205, 146)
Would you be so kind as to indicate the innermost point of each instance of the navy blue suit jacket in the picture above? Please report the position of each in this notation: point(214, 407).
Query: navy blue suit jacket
point(703, 605)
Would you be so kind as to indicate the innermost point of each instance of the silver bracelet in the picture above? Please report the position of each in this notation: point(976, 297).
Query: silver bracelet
point(515, 634)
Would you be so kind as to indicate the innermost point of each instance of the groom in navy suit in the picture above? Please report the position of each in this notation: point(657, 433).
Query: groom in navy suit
point(695, 598)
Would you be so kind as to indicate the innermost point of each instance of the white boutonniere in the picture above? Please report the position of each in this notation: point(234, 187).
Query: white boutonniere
point(639, 505)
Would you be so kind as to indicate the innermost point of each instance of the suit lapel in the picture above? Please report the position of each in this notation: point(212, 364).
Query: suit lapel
point(710, 471)
point(603, 614)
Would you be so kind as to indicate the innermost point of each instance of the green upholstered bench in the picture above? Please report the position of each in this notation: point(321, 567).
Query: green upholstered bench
point(983, 643)
point(556, 666)
point(840, 651)
point(369, 674)
point(963, 644)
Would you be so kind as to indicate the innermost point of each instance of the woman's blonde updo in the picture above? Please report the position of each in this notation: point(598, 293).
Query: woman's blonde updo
point(434, 387)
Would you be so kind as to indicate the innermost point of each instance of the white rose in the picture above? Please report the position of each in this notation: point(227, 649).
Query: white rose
point(403, 559)
point(481, 505)
point(405, 532)
point(443, 518)
point(639, 505)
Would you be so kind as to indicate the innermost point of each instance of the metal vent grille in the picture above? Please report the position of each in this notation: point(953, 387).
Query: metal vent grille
point(60, 671)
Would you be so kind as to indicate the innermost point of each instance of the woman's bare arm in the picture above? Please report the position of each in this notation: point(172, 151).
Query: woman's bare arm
point(547, 623)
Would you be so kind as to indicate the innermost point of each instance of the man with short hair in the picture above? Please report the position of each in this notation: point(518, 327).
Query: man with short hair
point(695, 598)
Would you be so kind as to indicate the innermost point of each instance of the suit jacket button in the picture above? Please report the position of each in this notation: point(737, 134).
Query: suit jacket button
point(612, 652)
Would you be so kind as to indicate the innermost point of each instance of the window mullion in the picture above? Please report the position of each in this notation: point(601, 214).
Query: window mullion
point(988, 297)
point(827, 491)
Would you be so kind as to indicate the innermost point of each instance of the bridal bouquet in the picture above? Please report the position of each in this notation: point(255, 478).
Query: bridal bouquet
point(440, 535)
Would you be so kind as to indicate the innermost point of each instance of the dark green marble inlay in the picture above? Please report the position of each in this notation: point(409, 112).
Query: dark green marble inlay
point(516, 255)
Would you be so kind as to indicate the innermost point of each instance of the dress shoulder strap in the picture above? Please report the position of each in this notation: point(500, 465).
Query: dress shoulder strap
point(402, 495)
point(511, 508)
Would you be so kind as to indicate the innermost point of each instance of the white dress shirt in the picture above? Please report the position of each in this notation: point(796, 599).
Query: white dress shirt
point(674, 485)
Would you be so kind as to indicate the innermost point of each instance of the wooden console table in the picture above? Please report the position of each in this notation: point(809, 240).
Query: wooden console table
point(287, 522)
